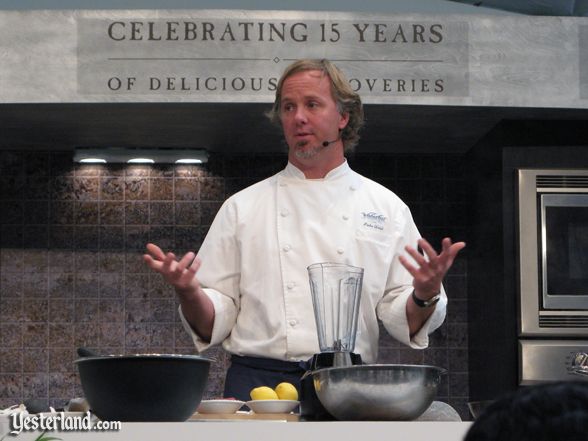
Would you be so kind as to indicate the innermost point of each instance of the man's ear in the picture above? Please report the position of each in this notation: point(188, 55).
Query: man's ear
point(344, 120)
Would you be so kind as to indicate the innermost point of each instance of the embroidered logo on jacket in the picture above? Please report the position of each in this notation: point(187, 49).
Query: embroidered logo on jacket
point(373, 220)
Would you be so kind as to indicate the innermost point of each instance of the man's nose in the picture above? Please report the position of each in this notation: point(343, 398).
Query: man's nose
point(300, 115)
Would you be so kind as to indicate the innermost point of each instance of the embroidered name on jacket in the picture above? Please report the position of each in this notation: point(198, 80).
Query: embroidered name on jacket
point(373, 220)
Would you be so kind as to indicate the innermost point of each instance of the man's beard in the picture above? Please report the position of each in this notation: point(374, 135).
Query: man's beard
point(301, 152)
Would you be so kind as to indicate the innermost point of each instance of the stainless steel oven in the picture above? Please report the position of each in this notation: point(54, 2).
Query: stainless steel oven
point(553, 252)
point(553, 271)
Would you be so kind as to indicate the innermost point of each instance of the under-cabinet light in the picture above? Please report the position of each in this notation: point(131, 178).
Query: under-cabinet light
point(141, 161)
point(159, 155)
point(93, 160)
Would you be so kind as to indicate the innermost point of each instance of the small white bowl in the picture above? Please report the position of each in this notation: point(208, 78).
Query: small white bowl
point(272, 406)
point(219, 406)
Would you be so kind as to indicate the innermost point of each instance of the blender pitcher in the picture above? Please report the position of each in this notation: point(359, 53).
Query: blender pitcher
point(336, 292)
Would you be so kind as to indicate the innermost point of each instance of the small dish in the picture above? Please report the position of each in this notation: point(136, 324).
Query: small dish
point(219, 406)
point(272, 406)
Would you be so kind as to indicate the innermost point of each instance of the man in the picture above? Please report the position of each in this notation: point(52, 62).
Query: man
point(248, 287)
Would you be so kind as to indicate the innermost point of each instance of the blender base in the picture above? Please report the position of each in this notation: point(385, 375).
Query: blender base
point(311, 409)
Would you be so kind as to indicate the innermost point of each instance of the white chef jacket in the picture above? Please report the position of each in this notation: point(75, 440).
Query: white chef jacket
point(258, 248)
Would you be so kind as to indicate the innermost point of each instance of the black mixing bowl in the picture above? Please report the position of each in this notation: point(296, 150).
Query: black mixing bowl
point(143, 387)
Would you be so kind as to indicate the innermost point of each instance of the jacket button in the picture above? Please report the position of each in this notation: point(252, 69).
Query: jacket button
point(352, 188)
point(293, 323)
point(345, 217)
point(287, 248)
point(340, 250)
point(284, 213)
point(290, 285)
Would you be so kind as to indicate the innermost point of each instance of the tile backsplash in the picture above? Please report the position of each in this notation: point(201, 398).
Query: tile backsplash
point(71, 270)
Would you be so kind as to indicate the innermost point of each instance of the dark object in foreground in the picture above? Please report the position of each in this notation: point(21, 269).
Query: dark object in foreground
point(543, 412)
point(143, 387)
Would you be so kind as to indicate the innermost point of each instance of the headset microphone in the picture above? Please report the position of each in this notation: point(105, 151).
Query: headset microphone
point(328, 143)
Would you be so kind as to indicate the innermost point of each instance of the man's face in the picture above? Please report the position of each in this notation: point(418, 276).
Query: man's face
point(309, 114)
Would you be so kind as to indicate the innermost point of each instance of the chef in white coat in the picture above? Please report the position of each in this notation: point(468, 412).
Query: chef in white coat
point(248, 288)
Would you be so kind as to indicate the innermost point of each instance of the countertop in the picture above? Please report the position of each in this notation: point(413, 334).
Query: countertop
point(440, 421)
point(272, 431)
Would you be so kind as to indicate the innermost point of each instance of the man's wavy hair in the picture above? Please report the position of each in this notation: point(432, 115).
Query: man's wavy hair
point(347, 100)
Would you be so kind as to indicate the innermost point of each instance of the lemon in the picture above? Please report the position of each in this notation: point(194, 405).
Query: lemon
point(263, 393)
point(286, 391)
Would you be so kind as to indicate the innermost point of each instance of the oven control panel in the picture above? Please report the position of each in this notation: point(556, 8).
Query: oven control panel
point(552, 360)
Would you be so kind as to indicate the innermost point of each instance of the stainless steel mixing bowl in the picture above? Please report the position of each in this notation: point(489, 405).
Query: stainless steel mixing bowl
point(377, 391)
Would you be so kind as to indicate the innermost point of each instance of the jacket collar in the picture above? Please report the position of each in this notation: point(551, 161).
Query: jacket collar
point(291, 171)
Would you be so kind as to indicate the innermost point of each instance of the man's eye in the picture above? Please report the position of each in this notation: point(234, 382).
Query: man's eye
point(288, 107)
